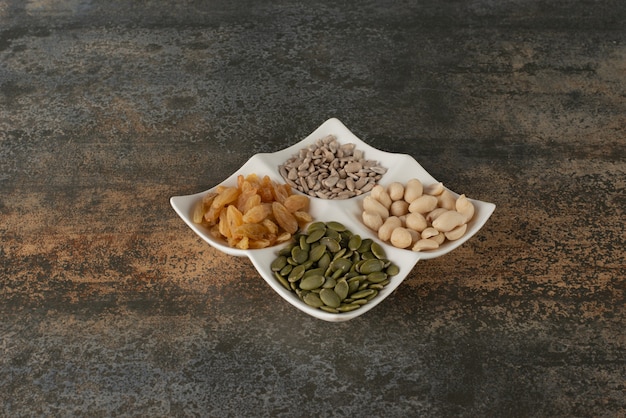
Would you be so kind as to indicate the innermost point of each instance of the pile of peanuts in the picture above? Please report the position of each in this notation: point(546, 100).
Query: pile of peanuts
point(416, 217)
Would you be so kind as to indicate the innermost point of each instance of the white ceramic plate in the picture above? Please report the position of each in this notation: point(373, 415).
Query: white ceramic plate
point(400, 167)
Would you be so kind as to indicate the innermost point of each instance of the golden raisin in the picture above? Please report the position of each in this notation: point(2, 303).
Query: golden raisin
point(296, 202)
point(284, 218)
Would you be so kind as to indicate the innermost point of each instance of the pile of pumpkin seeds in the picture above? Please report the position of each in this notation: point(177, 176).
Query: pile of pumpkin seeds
point(332, 269)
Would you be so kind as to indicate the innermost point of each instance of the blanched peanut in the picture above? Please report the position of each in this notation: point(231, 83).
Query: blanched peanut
point(379, 193)
point(399, 208)
point(439, 238)
point(416, 222)
point(391, 223)
point(413, 190)
point(434, 189)
point(423, 204)
point(448, 221)
point(395, 191)
point(372, 205)
point(456, 233)
point(401, 237)
point(465, 207)
point(429, 232)
point(415, 236)
point(446, 200)
point(433, 214)
point(372, 220)
point(425, 244)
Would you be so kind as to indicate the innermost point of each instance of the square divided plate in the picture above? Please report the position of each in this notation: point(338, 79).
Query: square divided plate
point(400, 167)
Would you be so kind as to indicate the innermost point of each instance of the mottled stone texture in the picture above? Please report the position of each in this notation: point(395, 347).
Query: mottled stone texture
point(111, 306)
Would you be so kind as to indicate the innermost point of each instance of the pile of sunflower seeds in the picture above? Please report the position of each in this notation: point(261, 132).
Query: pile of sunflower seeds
point(329, 170)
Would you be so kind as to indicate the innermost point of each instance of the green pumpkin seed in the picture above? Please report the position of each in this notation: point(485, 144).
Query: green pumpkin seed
point(279, 263)
point(313, 272)
point(332, 244)
point(348, 307)
point(313, 299)
point(365, 246)
point(355, 242)
point(353, 286)
point(373, 295)
point(337, 274)
point(370, 266)
point(286, 270)
point(363, 285)
point(317, 252)
point(392, 270)
point(332, 234)
point(368, 256)
point(341, 264)
point(299, 255)
point(359, 301)
point(329, 309)
point(286, 251)
point(341, 289)
point(336, 226)
point(315, 235)
point(348, 254)
point(378, 250)
point(312, 282)
point(302, 242)
point(340, 253)
point(357, 279)
point(315, 226)
point(296, 274)
point(329, 283)
point(282, 280)
point(330, 298)
point(377, 277)
point(324, 262)
point(363, 293)
point(352, 273)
